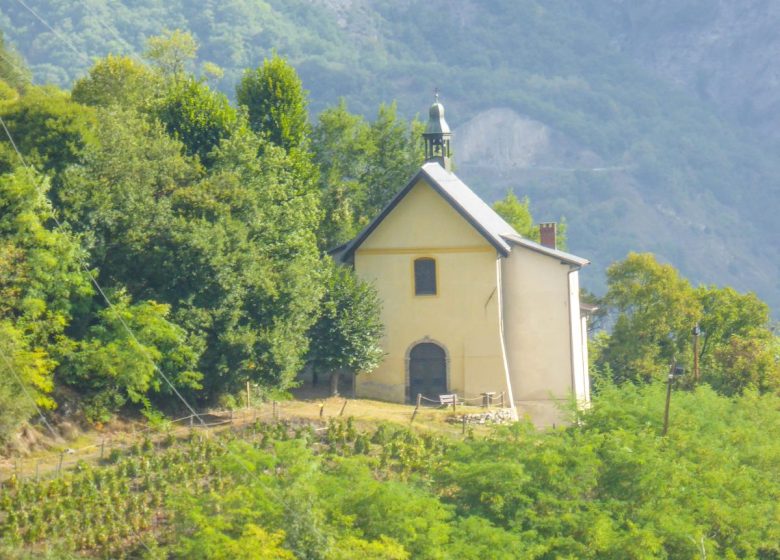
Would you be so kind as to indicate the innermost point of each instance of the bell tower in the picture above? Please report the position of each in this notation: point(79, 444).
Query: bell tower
point(437, 136)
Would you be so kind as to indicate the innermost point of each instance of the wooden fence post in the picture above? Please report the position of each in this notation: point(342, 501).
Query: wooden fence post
point(102, 447)
point(343, 407)
point(417, 407)
point(322, 409)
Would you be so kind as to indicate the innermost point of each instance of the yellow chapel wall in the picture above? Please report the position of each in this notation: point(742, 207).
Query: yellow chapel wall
point(463, 316)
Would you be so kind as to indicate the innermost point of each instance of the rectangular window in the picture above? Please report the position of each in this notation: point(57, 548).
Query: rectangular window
point(425, 277)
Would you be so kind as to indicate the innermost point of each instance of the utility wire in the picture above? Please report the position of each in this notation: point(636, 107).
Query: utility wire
point(109, 303)
point(83, 264)
point(91, 276)
point(89, 272)
point(56, 33)
point(9, 366)
point(111, 29)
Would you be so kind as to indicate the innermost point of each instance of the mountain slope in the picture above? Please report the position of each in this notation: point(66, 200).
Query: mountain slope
point(573, 103)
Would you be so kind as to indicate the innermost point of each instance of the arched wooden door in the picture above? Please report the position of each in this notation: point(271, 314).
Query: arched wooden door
point(427, 371)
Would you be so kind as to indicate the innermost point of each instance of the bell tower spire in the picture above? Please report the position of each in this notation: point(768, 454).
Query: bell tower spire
point(437, 135)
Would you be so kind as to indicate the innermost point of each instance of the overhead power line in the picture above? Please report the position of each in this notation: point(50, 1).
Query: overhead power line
point(56, 33)
point(100, 290)
point(9, 366)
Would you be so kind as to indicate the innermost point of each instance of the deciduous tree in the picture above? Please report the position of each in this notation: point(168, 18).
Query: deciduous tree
point(348, 333)
point(655, 310)
point(276, 102)
point(197, 116)
point(117, 80)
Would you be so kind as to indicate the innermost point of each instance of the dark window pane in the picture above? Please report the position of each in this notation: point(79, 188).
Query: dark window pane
point(424, 277)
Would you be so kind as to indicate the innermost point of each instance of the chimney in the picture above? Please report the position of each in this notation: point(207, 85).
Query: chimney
point(548, 235)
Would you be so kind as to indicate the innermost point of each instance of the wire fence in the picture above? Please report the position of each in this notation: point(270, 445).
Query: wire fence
point(484, 400)
point(113, 445)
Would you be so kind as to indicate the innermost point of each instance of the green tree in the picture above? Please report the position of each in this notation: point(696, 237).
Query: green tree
point(111, 366)
point(363, 165)
point(348, 333)
point(116, 80)
point(119, 198)
point(41, 290)
point(49, 129)
point(232, 251)
point(655, 310)
point(341, 143)
point(253, 543)
point(393, 159)
point(276, 103)
point(13, 70)
point(197, 116)
point(517, 213)
point(272, 206)
point(726, 313)
point(172, 52)
point(745, 361)
point(738, 347)
point(25, 379)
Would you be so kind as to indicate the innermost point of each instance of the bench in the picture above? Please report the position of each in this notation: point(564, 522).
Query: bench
point(447, 400)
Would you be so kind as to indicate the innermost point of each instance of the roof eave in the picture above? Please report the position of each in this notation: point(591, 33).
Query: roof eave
point(564, 257)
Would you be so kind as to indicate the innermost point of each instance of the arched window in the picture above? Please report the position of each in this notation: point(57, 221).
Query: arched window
point(424, 277)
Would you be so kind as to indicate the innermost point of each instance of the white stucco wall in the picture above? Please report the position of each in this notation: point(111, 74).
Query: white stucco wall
point(543, 333)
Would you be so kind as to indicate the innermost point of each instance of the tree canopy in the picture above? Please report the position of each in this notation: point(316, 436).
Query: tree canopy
point(655, 311)
point(276, 103)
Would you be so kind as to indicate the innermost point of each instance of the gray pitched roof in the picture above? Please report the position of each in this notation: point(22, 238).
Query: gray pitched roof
point(568, 258)
point(481, 216)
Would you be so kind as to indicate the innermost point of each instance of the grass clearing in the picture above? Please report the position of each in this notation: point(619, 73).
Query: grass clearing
point(92, 444)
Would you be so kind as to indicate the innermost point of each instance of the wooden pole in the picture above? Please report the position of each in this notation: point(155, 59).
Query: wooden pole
point(248, 397)
point(502, 399)
point(696, 333)
point(102, 447)
point(669, 382)
point(322, 409)
point(343, 407)
point(417, 407)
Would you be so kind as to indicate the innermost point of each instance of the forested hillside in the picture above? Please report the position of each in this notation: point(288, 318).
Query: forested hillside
point(619, 117)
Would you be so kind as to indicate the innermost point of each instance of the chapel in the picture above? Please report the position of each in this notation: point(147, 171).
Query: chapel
point(470, 306)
